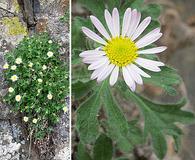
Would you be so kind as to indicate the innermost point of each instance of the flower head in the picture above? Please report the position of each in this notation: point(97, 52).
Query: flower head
point(10, 90)
point(44, 67)
point(49, 96)
point(121, 48)
point(18, 61)
point(50, 42)
point(30, 64)
point(49, 54)
point(13, 67)
point(40, 80)
point(6, 66)
point(18, 98)
point(34, 120)
point(14, 78)
point(25, 119)
point(65, 109)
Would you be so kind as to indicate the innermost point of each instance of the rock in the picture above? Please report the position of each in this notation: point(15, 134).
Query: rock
point(63, 153)
point(9, 150)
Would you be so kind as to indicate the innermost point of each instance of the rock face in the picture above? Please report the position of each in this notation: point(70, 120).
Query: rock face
point(44, 16)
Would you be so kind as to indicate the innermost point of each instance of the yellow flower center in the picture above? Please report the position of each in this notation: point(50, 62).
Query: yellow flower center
point(121, 51)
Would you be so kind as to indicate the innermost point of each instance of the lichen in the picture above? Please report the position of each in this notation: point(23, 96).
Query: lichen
point(15, 27)
point(16, 6)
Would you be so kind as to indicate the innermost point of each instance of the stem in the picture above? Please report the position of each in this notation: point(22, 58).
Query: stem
point(30, 145)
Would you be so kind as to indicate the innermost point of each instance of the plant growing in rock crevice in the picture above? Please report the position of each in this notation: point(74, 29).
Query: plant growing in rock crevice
point(38, 83)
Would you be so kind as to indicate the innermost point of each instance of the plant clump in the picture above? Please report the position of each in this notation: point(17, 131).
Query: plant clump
point(38, 83)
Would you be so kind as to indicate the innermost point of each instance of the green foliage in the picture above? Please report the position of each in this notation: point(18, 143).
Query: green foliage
point(160, 119)
point(166, 79)
point(100, 113)
point(42, 82)
point(103, 148)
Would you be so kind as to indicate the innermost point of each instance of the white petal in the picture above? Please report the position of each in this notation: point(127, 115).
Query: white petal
point(143, 25)
point(100, 27)
point(145, 41)
point(132, 22)
point(93, 35)
point(116, 22)
point(98, 64)
point(114, 76)
point(128, 80)
point(153, 50)
point(93, 58)
point(126, 21)
point(109, 22)
point(151, 62)
point(97, 72)
point(106, 72)
point(136, 76)
point(150, 66)
point(140, 71)
point(135, 23)
point(92, 53)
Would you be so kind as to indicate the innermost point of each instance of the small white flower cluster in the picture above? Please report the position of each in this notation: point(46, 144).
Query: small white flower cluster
point(25, 119)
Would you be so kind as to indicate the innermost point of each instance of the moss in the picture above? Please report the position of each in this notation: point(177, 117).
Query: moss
point(15, 27)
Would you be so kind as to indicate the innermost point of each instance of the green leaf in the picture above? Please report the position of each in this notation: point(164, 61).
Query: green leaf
point(103, 148)
point(78, 38)
point(87, 123)
point(159, 119)
point(82, 153)
point(152, 10)
point(96, 7)
point(118, 127)
point(137, 4)
point(166, 79)
point(80, 89)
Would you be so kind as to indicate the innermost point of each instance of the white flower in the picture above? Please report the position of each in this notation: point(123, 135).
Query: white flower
point(6, 66)
point(121, 48)
point(40, 80)
point(49, 96)
point(34, 120)
point(18, 61)
point(13, 67)
point(49, 54)
point(14, 78)
point(44, 67)
point(50, 42)
point(30, 64)
point(25, 119)
point(10, 90)
point(65, 109)
point(18, 98)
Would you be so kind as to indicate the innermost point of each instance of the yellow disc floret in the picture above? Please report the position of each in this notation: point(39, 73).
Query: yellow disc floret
point(121, 51)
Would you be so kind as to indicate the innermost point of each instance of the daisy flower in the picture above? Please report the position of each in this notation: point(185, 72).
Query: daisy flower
point(49, 96)
point(50, 41)
point(121, 48)
point(18, 61)
point(10, 90)
point(30, 64)
point(6, 66)
point(18, 98)
point(49, 54)
point(34, 120)
point(40, 80)
point(44, 67)
point(14, 78)
point(13, 67)
point(25, 119)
